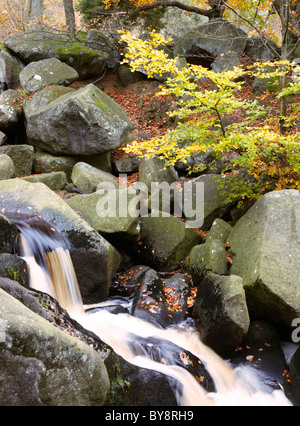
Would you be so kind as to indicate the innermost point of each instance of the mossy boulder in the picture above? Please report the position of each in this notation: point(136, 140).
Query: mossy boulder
point(83, 122)
point(38, 45)
point(107, 212)
point(46, 72)
point(54, 180)
point(15, 268)
point(265, 250)
point(55, 369)
point(211, 39)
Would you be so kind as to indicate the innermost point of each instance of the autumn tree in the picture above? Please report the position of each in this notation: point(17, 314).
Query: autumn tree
point(216, 118)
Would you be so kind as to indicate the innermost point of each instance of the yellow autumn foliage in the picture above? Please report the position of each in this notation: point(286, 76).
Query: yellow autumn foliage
point(214, 118)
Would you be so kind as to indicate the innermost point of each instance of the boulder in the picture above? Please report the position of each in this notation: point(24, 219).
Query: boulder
point(126, 76)
point(216, 200)
point(46, 163)
point(260, 49)
point(83, 122)
point(14, 268)
point(165, 241)
point(13, 66)
point(126, 165)
point(54, 180)
point(226, 62)
point(265, 250)
point(22, 157)
point(218, 231)
point(98, 41)
point(10, 112)
point(8, 232)
point(221, 314)
point(95, 260)
point(46, 72)
point(44, 97)
point(107, 213)
point(7, 168)
point(87, 178)
point(152, 172)
point(211, 39)
point(206, 258)
point(54, 370)
point(38, 45)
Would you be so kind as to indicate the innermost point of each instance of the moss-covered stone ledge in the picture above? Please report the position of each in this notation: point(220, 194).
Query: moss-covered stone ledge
point(38, 45)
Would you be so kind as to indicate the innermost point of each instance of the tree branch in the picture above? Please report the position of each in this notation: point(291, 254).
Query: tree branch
point(171, 3)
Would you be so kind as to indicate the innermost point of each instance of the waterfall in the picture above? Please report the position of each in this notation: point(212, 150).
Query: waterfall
point(2, 75)
point(49, 262)
point(51, 271)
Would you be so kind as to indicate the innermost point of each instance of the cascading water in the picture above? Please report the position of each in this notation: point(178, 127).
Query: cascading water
point(49, 262)
point(2, 75)
point(51, 271)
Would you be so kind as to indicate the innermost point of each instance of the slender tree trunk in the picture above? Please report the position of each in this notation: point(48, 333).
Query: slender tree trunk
point(36, 10)
point(285, 25)
point(70, 16)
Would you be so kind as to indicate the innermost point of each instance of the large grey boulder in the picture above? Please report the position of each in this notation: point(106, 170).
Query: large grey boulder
point(108, 211)
point(211, 39)
point(83, 122)
point(10, 112)
point(221, 313)
point(55, 369)
point(38, 45)
point(265, 248)
point(165, 241)
point(46, 72)
point(87, 177)
point(95, 260)
point(22, 157)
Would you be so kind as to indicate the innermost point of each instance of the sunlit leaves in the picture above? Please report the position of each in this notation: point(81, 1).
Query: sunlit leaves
point(210, 116)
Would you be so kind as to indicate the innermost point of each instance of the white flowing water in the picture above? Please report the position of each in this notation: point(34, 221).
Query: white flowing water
point(234, 387)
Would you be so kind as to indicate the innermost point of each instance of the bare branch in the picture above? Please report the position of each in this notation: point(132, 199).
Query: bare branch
point(171, 3)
